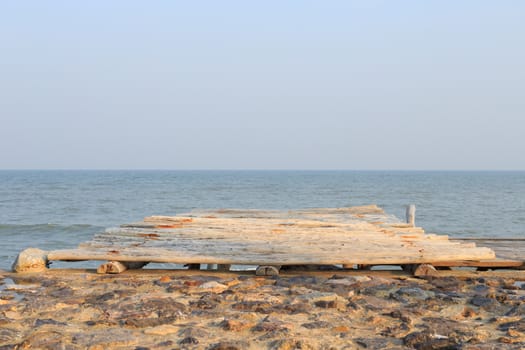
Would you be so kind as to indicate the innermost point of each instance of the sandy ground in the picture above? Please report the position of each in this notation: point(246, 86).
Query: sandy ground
point(181, 309)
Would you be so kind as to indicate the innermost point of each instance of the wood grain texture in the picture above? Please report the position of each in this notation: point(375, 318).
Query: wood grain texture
point(325, 236)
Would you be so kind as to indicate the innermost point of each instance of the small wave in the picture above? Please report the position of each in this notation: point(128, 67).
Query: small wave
point(48, 227)
point(17, 237)
point(45, 225)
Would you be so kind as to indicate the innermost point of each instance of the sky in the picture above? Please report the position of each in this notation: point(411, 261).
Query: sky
point(361, 85)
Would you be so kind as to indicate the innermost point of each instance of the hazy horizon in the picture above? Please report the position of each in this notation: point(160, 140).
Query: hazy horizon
point(343, 85)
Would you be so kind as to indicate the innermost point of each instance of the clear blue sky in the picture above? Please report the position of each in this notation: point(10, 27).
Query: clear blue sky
point(262, 85)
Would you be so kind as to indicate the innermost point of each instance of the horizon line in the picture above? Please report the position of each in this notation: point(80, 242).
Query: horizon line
point(257, 169)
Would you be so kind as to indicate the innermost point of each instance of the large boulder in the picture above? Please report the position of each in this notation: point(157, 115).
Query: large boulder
point(31, 260)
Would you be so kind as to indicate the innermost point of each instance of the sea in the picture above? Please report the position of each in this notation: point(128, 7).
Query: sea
point(58, 209)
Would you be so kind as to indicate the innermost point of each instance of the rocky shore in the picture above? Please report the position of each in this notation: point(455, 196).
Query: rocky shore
point(152, 309)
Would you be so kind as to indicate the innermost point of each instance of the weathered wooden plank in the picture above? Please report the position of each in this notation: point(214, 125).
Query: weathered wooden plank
point(321, 236)
point(491, 263)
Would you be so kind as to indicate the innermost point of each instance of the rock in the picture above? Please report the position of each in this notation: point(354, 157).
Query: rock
point(292, 344)
point(229, 345)
point(372, 343)
point(254, 306)
point(407, 293)
point(116, 267)
point(483, 302)
point(425, 270)
point(213, 287)
point(267, 270)
point(428, 340)
point(314, 297)
point(235, 325)
point(518, 310)
point(44, 340)
point(447, 284)
point(31, 260)
point(42, 322)
point(294, 282)
point(8, 335)
point(341, 329)
point(292, 309)
point(165, 279)
point(164, 329)
point(206, 302)
point(189, 341)
point(150, 312)
point(440, 329)
point(401, 315)
point(330, 304)
point(195, 332)
point(514, 325)
point(271, 325)
point(316, 325)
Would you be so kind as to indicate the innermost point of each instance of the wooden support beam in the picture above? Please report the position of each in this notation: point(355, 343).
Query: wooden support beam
point(116, 267)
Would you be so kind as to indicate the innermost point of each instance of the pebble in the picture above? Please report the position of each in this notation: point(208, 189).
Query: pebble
point(162, 330)
point(213, 286)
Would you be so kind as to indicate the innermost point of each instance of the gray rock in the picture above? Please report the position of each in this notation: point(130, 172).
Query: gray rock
point(229, 345)
point(316, 325)
point(483, 302)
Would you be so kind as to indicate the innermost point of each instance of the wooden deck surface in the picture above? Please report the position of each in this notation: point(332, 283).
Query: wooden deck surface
point(326, 236)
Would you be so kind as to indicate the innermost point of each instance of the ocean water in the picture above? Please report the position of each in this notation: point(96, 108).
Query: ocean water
point(59, 209)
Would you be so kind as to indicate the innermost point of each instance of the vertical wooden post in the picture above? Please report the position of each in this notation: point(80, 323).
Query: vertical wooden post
point(411, 215)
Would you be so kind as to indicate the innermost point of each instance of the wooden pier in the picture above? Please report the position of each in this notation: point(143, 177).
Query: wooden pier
point(355, 237)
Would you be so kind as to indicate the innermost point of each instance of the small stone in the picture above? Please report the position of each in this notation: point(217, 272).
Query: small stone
point(518, 310)
point(13, 315)
point(189, 340)
point(514, 333)
point(515, 325)
point(165, 279)
point(208, 301)
point(425, 270)
point(271, 325)
point(292, 309)
point(342, 281)
point(229, 345)
point(43, 340)
point(9, 335)
point(341, 329)
point(235, 325)
point(330, 304)
point(509, 340)
point(482, 301)
point(267, 271)
point(316, 325)
point(162, 330)
point(42, 322)
point(195, 332)
point(315, 296)
point(468, 313)
point(213, 286)
point(372, 343)
point(292, 344)
point(254, 306)
point(404, 293)
point(429, 340)
point(192, 283)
